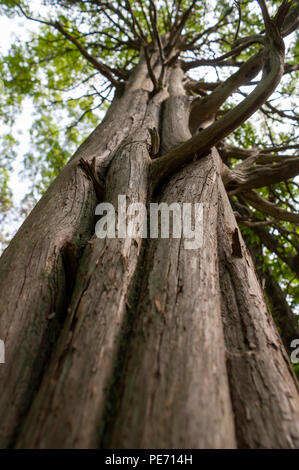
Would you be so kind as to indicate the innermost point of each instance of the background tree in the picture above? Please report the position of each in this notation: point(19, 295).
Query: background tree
point(141, 343)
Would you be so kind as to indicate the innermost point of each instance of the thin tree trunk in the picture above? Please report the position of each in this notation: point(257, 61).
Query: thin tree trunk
point(264, 389)
point(286, 321)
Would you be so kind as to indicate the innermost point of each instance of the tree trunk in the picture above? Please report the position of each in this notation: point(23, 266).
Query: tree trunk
point(286, 321)
point(151, 344)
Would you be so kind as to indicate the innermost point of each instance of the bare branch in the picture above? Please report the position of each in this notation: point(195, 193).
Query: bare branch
point(175, 35)
point(209, 62)
point(135, 23)
point(265, 13)
point(271, 242)
point(145, 17)
point(204, 108)
point(150, 70)
point(164, 166)
point(120, 15)
point(269, 208)
point(153, 13)
point(279, 112)
point(101, 67)
point(254, 223)
point(189, 45)
point(248, 176)
point(291, 20)
point(281, 148)
point(104, 69)
point(238, 4)
point(236, 50)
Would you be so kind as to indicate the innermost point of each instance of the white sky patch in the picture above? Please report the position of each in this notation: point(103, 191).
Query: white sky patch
point(10, 29)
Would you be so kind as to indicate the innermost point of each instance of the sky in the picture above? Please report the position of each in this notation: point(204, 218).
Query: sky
point(9, 29)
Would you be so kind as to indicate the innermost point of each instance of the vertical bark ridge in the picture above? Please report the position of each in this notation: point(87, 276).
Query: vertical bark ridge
point(263, 387)
point(114, 387)
point(32, 274)
point(201, 356)
point(83, 361)
point(175, 124)
point(174, 391)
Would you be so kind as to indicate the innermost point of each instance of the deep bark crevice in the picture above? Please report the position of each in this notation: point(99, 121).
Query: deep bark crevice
point(67, 269)
point(114, 392)
point(32, 276)
point(169, 357)
point(256, 359)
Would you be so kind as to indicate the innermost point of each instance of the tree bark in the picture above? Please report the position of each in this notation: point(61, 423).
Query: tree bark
point(34, 279)
point(153, 345)
point(286, 321)
point(257, 364)
point(174, 389)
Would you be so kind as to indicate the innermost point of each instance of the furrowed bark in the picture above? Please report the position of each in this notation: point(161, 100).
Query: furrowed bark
point(32, 273)
point(158, 345)
point(174, 392)
point(263, 387)
point(175, 128)
point(173, 350)
point(82, 364)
